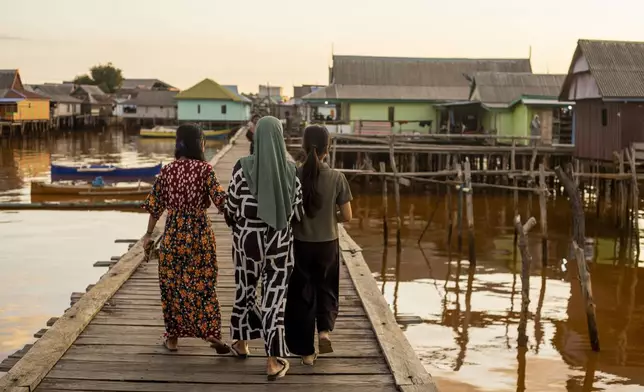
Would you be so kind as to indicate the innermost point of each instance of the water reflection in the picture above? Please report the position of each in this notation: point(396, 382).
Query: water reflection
point(25, 160)
point(469, 315)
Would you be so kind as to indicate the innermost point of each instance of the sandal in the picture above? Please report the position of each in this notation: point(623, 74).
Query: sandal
point(282, 372)
point(311, 362)
point(325, 346)
point(166, 340)
point(219, 346)
point(236, 353)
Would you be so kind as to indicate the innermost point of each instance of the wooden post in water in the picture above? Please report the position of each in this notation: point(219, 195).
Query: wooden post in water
point(526, 262)
point(587, 292)
point(385, 205)
point(392, 160)
point(513, 168)
point(543, 213)
point(459, 207)
point(449, 208)
point(469, 210)
point(579, 223)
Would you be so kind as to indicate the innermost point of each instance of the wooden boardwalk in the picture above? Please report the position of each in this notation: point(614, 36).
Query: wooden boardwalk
point(110, 340)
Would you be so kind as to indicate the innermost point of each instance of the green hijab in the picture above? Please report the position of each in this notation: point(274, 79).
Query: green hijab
point(269, 174)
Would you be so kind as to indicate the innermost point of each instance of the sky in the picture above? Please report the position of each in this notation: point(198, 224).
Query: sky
point(286, 43)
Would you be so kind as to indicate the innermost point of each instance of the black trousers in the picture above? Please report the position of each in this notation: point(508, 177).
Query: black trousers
point(313, 294)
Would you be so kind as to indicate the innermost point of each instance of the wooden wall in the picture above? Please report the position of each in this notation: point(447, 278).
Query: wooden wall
point(595, 140)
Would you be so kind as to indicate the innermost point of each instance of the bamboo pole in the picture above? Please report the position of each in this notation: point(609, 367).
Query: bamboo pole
point(587, 292)
point(385, 205)
point(392, 161)
point(459, 208)
point(543, 214)
point(448, 209)
point(526, 262)
point(469, 210)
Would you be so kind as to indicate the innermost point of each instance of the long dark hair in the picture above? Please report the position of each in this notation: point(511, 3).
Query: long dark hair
point(315, 143)
point(189, 138)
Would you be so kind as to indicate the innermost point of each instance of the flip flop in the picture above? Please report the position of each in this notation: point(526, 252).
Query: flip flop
point(282, 372)
point(220, 347)
point(325, 346)
point(315, 357)
point(237, 353)
point(167, 347)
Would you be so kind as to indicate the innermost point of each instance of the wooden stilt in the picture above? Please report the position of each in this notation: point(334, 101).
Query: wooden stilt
point(526, 262)
point(470, 210)
point(543, 214)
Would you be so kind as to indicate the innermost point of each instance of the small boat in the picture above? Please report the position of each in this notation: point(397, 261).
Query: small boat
point(171, 133)
point(137, 172)
point(41, 188)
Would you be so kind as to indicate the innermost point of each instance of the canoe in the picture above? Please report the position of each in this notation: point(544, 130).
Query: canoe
point(41, 188)
point(171, 133)
point(137, 172)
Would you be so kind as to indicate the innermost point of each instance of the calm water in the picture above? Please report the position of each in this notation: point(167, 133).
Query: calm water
point(461, 319)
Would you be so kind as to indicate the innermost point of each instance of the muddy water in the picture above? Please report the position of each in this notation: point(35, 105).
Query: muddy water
point(462, 318)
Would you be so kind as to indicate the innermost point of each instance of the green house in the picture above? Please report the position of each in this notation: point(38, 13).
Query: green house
point(505, 104)
point(212, 105)
point(370, 92)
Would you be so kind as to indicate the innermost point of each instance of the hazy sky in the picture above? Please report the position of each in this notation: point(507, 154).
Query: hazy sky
point(288, 42)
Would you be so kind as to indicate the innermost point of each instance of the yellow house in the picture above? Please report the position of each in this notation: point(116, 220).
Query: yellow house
point(18, 104)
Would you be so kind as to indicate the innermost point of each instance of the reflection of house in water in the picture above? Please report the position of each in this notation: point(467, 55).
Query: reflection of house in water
point(619, 319)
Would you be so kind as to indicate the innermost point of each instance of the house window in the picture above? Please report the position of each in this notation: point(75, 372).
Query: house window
point(391, 114)
point(604, 117)
point(223, 109)
point(198, 109)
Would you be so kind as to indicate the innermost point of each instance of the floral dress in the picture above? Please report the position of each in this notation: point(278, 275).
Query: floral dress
point(187, 257)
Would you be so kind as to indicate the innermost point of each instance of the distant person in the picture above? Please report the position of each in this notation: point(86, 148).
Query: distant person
point(263, 196)
point(313, 293)
point(187, 256)
point(251, 130)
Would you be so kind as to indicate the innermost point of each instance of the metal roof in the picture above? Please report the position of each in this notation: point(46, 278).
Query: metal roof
point(616, 66)
point(208, 89)
point(506, 87)
point(143, 84)
point(55, 92)
point(399, 71)
point(402, 93)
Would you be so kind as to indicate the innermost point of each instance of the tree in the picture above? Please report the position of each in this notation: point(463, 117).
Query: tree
point(106, 76)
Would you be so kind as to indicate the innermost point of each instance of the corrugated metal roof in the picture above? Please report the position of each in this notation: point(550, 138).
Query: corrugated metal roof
point(55, 92)
point(7, 76)
point(235, 90)
point(410, 93)
point(208, 89)
point(505, 87)
point(616, 66)
point(153, 98)
point(143, 84)
point(397, 71)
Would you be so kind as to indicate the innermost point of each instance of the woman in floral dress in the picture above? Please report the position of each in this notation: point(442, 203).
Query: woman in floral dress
point(187, 258)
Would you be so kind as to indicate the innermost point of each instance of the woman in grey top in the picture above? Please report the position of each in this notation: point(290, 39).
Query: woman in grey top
point(312, 298)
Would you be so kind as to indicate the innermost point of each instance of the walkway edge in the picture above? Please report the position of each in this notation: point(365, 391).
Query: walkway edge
point(32, 368)
point(409, 373)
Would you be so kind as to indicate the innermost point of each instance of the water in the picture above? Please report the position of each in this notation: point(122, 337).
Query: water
point(461, 320)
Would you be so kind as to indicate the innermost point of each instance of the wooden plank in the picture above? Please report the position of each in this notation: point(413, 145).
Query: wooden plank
point(118, 386)
point(200, 368)
point(405, 366)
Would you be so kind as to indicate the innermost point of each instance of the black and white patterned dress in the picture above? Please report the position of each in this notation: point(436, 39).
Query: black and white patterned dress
point(259, 252)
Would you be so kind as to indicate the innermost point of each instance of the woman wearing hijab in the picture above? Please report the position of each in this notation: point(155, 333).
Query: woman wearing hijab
point(263, 196)
point(187, 259)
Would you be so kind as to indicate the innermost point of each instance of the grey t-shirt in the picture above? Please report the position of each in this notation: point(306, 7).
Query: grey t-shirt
point(334, 190)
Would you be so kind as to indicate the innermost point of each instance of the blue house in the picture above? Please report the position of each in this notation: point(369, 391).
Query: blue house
point(212, 105)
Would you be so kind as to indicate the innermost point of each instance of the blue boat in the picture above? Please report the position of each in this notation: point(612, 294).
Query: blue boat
point(105, 171)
